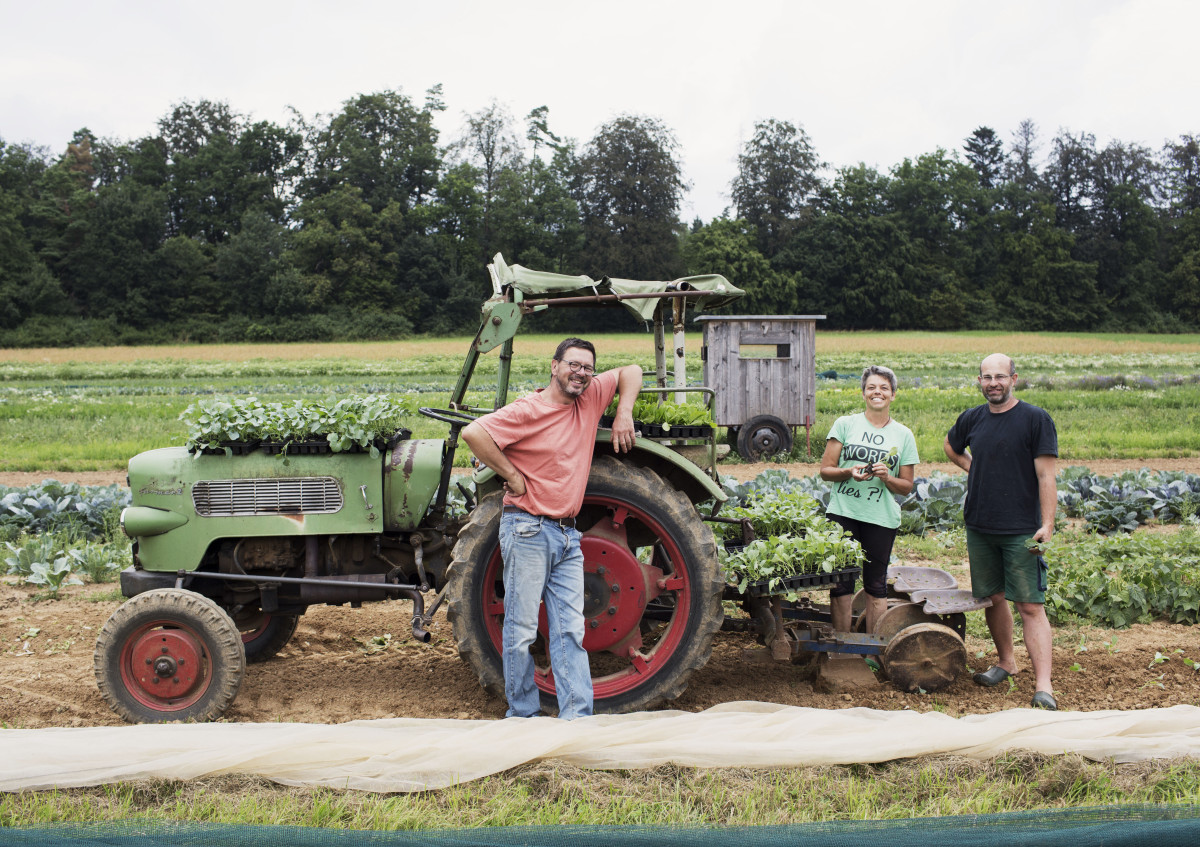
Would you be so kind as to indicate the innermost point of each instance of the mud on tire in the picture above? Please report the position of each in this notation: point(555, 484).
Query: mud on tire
point(169, 655)
point(652, 590)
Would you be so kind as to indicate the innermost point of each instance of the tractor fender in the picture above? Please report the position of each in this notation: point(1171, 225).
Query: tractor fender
point(675, 469)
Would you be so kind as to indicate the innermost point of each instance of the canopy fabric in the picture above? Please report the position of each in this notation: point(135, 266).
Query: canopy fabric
point(719, 291)
point(415, 755)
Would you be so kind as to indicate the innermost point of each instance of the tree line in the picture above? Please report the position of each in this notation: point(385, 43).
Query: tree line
point(365, 224)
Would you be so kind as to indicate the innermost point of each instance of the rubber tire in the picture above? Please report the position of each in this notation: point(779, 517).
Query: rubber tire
point(265, 642)
point(206, 623)
point(762, 437)
point(476, 565)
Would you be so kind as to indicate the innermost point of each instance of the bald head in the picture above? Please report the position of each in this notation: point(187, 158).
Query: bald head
point(996, 377)
point(997, 363)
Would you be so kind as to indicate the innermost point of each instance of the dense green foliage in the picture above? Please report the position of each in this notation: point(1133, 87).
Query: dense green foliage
point(793, 536)
point(365, 224)
point(1120, 580)
point(362, 422)
point(649, 410)
point(54, 531)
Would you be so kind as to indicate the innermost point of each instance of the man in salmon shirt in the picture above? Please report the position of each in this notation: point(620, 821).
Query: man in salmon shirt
point(541, 445)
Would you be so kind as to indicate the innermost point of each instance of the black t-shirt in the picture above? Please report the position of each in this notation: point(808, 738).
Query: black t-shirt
point(1002, 487)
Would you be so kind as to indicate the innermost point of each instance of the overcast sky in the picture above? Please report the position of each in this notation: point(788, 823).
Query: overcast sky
point(871, 82)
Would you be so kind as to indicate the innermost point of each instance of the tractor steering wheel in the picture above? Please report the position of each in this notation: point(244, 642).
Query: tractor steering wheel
point(453, 417)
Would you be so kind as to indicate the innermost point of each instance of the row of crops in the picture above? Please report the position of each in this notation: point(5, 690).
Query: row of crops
point(57, 534)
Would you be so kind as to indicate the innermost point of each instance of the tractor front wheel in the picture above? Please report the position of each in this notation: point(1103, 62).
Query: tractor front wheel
point(169, 655)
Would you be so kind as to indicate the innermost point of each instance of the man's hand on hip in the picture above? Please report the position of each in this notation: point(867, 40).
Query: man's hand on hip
point(515, 486)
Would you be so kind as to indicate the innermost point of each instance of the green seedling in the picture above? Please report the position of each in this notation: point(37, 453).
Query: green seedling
point(374, 644)
point(1078, 668)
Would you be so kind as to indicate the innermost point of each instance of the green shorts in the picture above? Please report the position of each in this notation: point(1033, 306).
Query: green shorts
point(1003, 564)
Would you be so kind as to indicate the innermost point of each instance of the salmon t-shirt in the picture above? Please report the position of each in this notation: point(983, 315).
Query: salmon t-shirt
point(551, 445)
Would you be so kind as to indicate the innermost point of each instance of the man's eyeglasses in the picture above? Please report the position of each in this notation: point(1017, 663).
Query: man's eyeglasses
point(994, 377)
point(579, 367)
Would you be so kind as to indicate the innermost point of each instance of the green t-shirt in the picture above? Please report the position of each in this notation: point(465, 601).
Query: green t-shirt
point(865, 444)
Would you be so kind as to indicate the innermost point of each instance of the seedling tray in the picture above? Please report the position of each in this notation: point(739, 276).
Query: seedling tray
point(650, 430)
point(306, 447)
point(803, 582)
point(237, 448)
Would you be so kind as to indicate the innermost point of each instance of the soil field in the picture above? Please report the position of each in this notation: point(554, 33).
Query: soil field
point(332, 672)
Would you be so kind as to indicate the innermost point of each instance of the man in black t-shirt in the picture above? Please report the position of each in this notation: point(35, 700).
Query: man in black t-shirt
point(1011, 498)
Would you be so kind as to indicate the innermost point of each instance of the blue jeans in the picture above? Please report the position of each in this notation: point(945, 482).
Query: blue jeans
point(543, 562)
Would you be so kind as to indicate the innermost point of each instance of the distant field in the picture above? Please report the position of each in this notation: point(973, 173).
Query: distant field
point(1113, 396)
point(861, 344)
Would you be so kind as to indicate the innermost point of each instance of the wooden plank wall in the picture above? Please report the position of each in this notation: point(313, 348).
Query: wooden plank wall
point(746, 387)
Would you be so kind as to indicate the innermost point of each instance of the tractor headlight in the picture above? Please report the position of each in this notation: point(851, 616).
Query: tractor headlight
point(143, 520)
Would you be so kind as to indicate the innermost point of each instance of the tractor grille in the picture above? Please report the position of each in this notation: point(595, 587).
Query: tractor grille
point(309, 495)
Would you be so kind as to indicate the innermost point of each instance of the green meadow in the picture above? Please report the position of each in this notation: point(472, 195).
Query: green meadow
point(1112, 396)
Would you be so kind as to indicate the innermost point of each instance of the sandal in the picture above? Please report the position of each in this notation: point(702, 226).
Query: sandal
point(992, 677)
point(1044, 700)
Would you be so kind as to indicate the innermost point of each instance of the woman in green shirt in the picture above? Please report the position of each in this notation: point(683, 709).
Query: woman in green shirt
point(869, 457)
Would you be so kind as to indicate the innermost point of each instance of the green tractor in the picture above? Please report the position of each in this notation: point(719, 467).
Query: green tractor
point(230, 549)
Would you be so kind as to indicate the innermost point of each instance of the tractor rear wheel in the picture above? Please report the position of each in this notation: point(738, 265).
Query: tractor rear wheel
point(169, 655)
point(652, 590)
point(264, 635)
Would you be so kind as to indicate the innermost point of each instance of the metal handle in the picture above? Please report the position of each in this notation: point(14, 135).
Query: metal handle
point(366, 502)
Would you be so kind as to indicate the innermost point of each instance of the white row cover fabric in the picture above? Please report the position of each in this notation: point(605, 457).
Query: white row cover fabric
point(401, 755)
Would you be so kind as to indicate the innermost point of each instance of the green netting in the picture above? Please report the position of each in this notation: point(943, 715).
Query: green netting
point(1110, 826)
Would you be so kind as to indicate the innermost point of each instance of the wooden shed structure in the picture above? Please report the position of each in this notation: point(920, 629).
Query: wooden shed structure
point(762, 369)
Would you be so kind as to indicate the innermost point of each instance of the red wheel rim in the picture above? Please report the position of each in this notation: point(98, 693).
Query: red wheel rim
point(629, 661)
point(253, 627)
point(165, 666)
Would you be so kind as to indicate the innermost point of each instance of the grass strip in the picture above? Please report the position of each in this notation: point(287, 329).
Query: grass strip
point(553, 793)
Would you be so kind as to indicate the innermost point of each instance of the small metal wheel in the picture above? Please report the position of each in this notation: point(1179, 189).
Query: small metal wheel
point(900, 616)
point(169, 655)
point(924, 656)
point(763, 436)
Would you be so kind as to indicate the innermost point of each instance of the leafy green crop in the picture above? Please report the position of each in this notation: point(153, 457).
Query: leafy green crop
point(360, 421)
point(53, 575)
point(666, 415)
point(1123, 502)
point(824, 548)
point(77, 511)
point(792, 537)
point(1122, 579)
